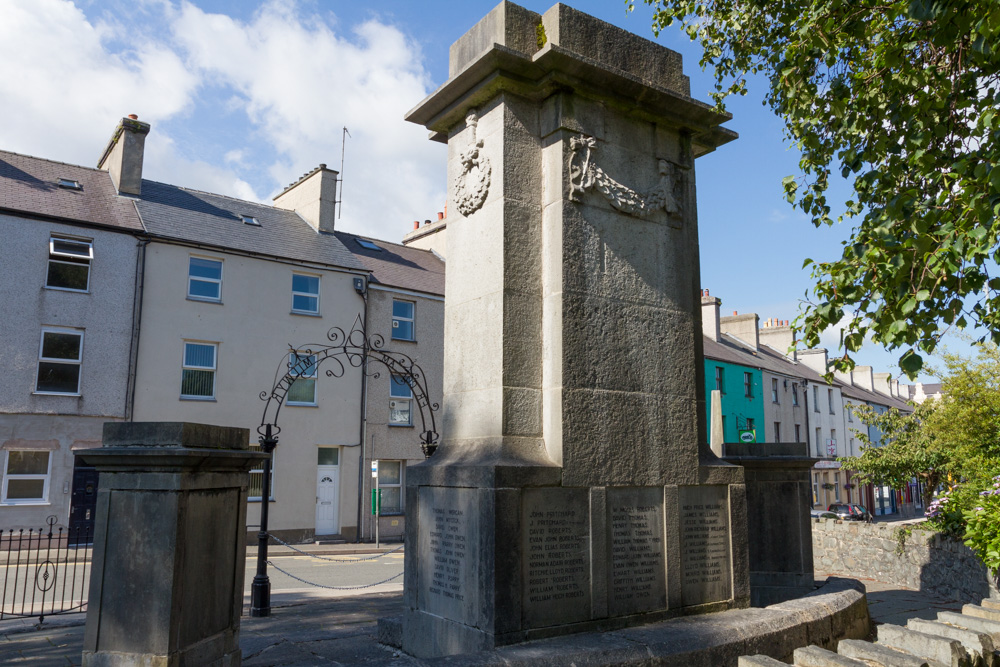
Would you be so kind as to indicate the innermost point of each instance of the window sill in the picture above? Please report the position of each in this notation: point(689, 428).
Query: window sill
point(302, 405)
point(257, 500)
point(203, 399)
point(400, 425)
point(393, 513)
point(304, 313)
point(25, 503)
point(67, 289)
point(404, 340)
point(56, 393)
point(200, 299)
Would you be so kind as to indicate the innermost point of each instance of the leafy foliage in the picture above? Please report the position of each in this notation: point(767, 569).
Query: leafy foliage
point(982, 529)
point(900, 97)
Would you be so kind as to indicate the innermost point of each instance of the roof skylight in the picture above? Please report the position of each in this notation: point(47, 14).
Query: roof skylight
point(367, 245)
point(250, 220)
point(69, 184)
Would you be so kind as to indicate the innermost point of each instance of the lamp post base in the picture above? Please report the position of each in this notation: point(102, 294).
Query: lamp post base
point(260, 596)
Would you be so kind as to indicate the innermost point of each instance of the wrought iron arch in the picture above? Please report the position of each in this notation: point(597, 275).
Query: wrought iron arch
point(349, 349)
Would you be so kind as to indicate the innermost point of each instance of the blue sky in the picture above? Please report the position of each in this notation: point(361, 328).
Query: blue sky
point(244, 97)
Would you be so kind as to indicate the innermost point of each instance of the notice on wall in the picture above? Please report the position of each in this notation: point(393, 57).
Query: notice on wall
point(449, 533)
point(706, 563)
point(555, 539)
point(637, 579)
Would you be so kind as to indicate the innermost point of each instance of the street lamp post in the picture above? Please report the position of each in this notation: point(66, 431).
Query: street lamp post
point(260, 589)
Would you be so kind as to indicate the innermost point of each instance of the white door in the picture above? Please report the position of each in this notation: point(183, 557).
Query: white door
point(327, 500)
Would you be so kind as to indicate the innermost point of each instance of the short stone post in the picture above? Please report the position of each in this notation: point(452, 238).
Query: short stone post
point(166, 586)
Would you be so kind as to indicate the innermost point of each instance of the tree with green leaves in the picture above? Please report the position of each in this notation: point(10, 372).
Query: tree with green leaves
point(900, 97)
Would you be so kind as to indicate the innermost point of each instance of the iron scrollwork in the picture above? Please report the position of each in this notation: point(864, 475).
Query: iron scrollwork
point(349, 349)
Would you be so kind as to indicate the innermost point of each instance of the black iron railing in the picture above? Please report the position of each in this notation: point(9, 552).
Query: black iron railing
point(45, 572)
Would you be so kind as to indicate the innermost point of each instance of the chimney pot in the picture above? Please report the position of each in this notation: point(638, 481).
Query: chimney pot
point(427, 222)
point(440, 215)
point(322, 165)
point(735, 313)
point(416, 224)
point(133, 116)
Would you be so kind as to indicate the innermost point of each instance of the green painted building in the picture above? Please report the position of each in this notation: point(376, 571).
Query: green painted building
point(742, 392)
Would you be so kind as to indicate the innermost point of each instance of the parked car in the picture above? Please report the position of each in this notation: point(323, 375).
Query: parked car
point(850, 512)
point(823, 514)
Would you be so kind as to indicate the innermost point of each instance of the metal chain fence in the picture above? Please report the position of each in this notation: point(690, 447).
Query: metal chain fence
point(334, 560)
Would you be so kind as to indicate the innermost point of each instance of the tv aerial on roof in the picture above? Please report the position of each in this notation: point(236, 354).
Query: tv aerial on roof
point(343, 141)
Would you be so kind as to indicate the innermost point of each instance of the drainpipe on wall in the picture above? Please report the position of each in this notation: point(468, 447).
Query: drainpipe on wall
point(364, 417)
point(133, 348)
point(805, 406)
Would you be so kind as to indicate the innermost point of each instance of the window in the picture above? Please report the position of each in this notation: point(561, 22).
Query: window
point(815, 488)
point(798, 433)
point(59, 357)
point(815, 399)
point(69, 184)
point(750, 424)
point(819, 441)
point(795, 393)
point(26, 477)
point(402, 320)
point(831, 450)
point(368, 245)
point(255, 489)
point(836, 486)
point(305, 294)
point(69, 264)
point(777, 431)
point(390, 482)
point(829, 399)
point(774, 390)
point(850, 417)
point(198, 374)
point(303, 389)
point(205, 279)
point(250, 220)
point(719, 379)
point(748, 385)
point(400, 400)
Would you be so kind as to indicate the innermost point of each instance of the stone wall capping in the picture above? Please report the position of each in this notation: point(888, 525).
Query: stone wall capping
point(978, 644)
point(878, 654)
point(943, 650)
point(814, 656)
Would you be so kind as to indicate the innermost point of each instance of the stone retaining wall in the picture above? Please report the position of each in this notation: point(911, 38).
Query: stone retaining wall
point(917, 559)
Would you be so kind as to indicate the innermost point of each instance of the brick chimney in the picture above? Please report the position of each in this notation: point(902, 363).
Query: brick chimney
point(314, 197)
point(743, 327)
point(779, 335)
point(122, 157)
point(710, 315)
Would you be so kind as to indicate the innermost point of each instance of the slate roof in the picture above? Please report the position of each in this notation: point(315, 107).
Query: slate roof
point(396, 265)
point(173, 212)
point(30, 186)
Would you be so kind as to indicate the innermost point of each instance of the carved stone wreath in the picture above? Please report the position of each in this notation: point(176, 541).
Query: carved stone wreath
point(472, 184)
point(584, 174)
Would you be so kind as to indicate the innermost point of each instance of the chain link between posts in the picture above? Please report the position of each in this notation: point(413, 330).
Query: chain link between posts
point(335, 588)
point(334, 560)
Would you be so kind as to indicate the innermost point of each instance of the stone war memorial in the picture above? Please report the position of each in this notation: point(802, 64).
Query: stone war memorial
point(574, 489)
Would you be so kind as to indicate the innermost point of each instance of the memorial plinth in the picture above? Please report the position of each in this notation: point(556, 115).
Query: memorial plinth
point(574, 488)
point(166, 586)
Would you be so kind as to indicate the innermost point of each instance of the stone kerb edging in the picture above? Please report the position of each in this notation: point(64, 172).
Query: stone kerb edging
point(838, 610)
point(902, 555)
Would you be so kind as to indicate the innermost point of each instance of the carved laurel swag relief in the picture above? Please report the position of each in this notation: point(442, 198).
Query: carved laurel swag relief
point(585, 174)
point(472, 184)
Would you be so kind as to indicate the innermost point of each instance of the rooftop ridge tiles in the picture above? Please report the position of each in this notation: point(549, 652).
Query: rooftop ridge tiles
point(50, 161)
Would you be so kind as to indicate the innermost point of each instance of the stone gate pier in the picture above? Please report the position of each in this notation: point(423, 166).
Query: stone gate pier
point(574, 489)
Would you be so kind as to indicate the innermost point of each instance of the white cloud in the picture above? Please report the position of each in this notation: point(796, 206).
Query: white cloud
point(287, 79)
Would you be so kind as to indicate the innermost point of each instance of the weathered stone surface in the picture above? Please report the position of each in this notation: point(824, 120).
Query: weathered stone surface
point(972, 623)
point(933, 647)
point(814, 656)
point(978, 644)
point(878, 654)
point(981, 612)
point(705, 544)
point(637, 580)
point(758, 661)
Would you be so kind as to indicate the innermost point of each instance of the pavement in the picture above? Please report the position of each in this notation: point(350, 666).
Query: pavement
point(321, 627)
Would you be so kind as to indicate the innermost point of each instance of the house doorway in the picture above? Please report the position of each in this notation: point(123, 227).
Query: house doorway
point(83, 501)
point(328, 491)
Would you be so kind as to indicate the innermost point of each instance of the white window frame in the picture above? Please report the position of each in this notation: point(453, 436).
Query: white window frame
point(47, 477)
point(829, 398)
point(295, 293)
point(836, 487)
point(214, 368)
point(815, 398)
point(397, 319)
point(258, 470)
point(293, 359)
point(795, 394)
point(382, 485)
point(77, 260)
point(55, 360)
point(218, 281)
point(396, 397)
point(774, 390)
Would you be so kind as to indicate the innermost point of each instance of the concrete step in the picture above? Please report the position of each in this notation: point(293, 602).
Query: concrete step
point(990, 603)
point(981, 612)
point(992, 628)
point(934, 647)
point(876, 654)
point(814, 656)
point(978, 644)
point(758, 661)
